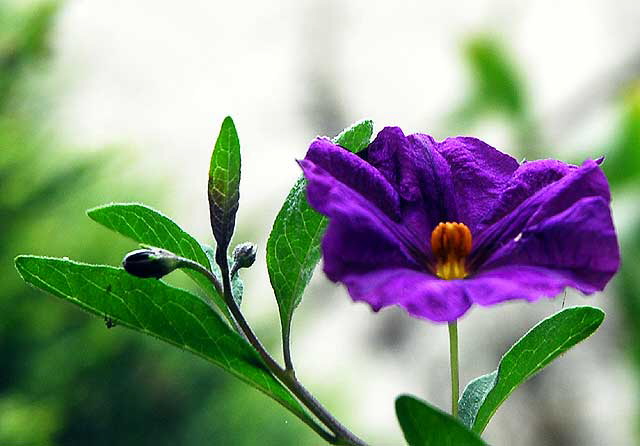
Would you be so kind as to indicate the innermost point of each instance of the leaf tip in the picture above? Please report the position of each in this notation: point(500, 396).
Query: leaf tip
point(21, 262)
point(91, 212)
point(597, 314)
point(94, 213)
point(355, 137)
point(228, 121)
point(402, 401)
point(18, 261)
point(368, 123)
point(228, 126)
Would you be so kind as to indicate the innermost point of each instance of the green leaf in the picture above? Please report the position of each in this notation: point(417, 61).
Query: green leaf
point(150, 227)
point(622, 162)
point(424, 425)
point(293, 248)
point(159, 310)
point(473, 397)
point(534, 351)
point(497, 81)
point(224, 184)
point(356, 137)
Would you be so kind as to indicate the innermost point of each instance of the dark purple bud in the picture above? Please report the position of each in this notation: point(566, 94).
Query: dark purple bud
point(243, 256)
point(152, 262)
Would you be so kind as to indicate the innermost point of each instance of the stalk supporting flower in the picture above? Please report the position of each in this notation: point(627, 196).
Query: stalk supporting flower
point(404, 211)
point(455, 367)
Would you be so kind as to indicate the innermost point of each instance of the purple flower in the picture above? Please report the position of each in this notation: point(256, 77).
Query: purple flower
point(438, 226)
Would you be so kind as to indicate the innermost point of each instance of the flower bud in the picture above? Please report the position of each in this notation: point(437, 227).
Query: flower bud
point(152, 262)
point(243, 256)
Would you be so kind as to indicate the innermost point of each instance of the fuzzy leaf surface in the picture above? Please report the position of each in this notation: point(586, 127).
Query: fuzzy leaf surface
point(293, 248)
point(159, 310)
point(150, 227)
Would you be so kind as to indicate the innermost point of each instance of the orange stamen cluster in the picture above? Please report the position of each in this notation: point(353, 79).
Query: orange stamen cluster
point(451, 244)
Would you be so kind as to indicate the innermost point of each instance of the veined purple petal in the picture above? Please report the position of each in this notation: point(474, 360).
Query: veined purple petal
point(422, 295)
point(520, 283)
point(479, 173)
point(360, 236)
point(356, 174)
point(585, 181)
point(529, 178)
point(578, 244)
point(419, 174)
point(437, 193)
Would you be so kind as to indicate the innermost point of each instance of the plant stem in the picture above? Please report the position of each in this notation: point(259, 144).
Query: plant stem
point(286, 350)
point(341, 435)
point(455, 378)
point(190, 264)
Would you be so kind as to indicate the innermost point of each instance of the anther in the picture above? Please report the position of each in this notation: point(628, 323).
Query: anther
point(451, 244)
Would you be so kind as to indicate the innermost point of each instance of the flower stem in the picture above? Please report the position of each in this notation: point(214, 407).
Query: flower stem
point(455, 378)
point(339, 435)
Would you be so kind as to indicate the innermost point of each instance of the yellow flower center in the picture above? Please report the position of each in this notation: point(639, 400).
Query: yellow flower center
point(451, 244)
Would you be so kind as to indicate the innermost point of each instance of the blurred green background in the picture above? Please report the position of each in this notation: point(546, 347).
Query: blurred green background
point(65, 379)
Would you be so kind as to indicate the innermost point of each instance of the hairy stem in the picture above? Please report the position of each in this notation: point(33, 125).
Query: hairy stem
point(190, 264)
point(339, 435)
point(455, 378)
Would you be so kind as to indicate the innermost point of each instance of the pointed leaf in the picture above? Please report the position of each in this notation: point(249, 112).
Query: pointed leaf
point(150, 227)
point(498, 83)
point(356, 137)
point(157, 309)
point(534, 351)
point(224, 184)
point(293, 248)
point(424, 425)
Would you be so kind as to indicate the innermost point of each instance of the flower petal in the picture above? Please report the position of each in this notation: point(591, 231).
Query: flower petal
point(521, 282)
point(419, 174)
point(354, 173)
point(529, 178)
point(479, 174)
point(579, 245)
point(422, 295)
point(359, 243)
point(360, 237)
point(585, 181)
point(575, 248)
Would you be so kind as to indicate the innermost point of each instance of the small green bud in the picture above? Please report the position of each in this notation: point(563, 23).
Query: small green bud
point(152, 262)
point(244, 255)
